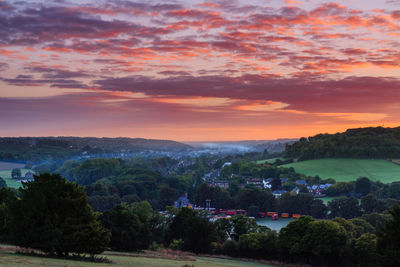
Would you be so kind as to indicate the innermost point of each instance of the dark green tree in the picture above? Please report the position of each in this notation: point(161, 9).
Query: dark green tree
point(258, 245)
point(7, 197)
point(344, 207)
point(318, 209)
point(166, 197)
point(54, 216)
point(16, 173)
point(2, 183)
point(388, 242)
point(130, 231)
point(363, 185)
point(365, 250)
point(291, 238)
point(195, 230)
point(325, 241)
point(242, 225)
point(369, 203)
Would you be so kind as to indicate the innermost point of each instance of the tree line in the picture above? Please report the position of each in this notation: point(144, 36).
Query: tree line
point(369, 142)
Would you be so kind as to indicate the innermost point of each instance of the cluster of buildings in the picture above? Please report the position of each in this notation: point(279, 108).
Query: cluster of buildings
point(213, 179)
point(316, 190)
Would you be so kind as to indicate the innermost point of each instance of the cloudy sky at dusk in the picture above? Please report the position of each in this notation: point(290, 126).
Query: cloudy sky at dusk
point(195, 70)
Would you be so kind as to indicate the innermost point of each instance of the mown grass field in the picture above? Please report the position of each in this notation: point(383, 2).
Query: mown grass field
point(344, 170)
point(6, 175)
point(10, 259)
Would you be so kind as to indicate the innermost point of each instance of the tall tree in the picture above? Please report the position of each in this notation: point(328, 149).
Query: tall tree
point(291, 237)
point(195, 229)
point(325, 240)
point(54, 216)
point(363, 185)
point(388, 243)
point(16, 173)
point(130, 230)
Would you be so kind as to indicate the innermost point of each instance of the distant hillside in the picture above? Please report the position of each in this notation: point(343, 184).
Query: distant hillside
point(272, 146)
point(275, 146)
point(51, 148)
point(370, 142)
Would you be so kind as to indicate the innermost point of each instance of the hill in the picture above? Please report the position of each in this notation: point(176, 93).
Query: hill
point(22, 149)
point(343, 170)
point(370, 143)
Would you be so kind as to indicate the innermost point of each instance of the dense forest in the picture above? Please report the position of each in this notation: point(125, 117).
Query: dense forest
point(370, 142)
point(36, 149)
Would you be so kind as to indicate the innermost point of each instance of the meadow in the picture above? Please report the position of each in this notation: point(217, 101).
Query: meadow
point(8, 258)
point(5, 173)
point(344, 170)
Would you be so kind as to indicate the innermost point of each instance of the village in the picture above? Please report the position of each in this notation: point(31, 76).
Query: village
point(214, 179)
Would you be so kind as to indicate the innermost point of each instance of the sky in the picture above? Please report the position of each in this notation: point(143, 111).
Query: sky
point(198, 70)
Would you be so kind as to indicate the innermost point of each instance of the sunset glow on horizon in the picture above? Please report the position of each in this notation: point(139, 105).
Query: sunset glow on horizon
point(198, 70)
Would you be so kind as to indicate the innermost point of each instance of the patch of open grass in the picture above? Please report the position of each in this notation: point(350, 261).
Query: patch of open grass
point(6, 175)
point(344, 170)
point(8, 258)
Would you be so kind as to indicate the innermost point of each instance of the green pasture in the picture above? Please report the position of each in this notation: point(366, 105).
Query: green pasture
point(327, 199)
point(10, 259)
point(6, 175)
point(344, 170)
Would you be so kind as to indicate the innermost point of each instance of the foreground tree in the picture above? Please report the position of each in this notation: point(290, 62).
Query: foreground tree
point(54, 216)
point(258, 245)
point(6, 198)
point(291, 238)
point(388, 242)
point(194, 229)
point(365, 250)
point(325, 241)
point(129, 231)
point(2, 183)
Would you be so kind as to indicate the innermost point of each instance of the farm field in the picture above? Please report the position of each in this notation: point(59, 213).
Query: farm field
point(344, 170)
point(10, 259)
point(6, 175)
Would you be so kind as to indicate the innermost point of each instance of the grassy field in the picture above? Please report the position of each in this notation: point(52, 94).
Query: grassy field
point(6, 175)
point(327, 199)
point(343, 170)
point(10, 259)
